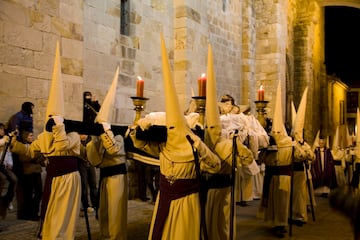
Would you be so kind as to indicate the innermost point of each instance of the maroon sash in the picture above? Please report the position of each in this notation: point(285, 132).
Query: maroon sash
point(168, 192)
point(271, 171)
point(58, 166)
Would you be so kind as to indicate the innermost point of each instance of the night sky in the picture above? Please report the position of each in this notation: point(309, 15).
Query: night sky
point(342, 44)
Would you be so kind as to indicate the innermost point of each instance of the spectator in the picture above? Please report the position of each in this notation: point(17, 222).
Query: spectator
point(91, 107)
point(8, 180)
point(30, 183)
point(22, 120)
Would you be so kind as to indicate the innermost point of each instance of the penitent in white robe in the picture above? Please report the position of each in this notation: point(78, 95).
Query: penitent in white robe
point(107, 151)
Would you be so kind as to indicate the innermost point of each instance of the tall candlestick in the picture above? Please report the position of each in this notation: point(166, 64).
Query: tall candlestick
point(261, 93)
point(139, 87)
point(202, 85)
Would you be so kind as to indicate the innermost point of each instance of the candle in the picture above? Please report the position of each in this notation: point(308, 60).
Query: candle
point(139, 87)
point(261, 93)
point(202, 85)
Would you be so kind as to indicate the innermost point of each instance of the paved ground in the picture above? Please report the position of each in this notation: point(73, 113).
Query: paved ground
point(329, 224)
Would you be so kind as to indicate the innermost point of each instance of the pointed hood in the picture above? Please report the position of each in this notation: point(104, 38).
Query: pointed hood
point(316, 140)
point(213, 124)
point(336, 142)
point(106, 109)
point(293, 115)
point(55, 105)
point(177, 146)
point(348, 139)
point(278, 130)
point(300, 118)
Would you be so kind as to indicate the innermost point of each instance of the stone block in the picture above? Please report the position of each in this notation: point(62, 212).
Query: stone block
point(50, 7)
point(158, 5)
point(40, 21)
point(25, 71)
point(182, 65)
point(43, 61)
point(103, 45)
point(37, 88)
point(72, 48)
point(15, 84)
point(127, 67)
point(16, 56)
point(67, 29)
point(99, 5)
point(113, 11)
point(49, 45)
point(135, 18)
point(106, 33)
point(71, 13)
point(72, 66)
point(21, 36)
point(14, 13)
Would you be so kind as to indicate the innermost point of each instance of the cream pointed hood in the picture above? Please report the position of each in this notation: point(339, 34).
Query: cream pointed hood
point(348, 139)
point(293, 115)
point(55, 105)
point(336, 142)
point(177, 147)
point(107, 107)
point(213, 124)
point(278, 130)
point(316, 140)
point(300, 118)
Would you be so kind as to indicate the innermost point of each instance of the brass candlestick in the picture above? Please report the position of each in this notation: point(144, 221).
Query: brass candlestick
point(200, 108)
point(139, 103)
point(260, 108)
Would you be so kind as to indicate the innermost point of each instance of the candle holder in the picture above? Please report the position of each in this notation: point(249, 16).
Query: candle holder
point(200, 107)
point(139, 103)
point(260, 108)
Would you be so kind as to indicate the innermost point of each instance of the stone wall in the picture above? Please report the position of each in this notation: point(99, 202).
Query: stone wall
point(28, 33)
point(253, 41)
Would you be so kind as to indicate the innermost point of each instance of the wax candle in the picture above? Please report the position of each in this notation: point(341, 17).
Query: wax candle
point(261, 93)
point(202, 85)
point(139, 87)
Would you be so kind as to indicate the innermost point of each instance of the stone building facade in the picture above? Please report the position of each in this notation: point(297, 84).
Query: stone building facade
point(254, 42)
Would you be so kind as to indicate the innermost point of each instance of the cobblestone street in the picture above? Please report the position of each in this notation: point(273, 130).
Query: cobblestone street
point(329, 224)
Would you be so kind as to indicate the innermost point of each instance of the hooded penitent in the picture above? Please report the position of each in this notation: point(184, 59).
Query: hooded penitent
point(278, 130)
point(55, 106)
point(106, 109)
point(213, 124)
point(300, 118)
point(177, 147)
